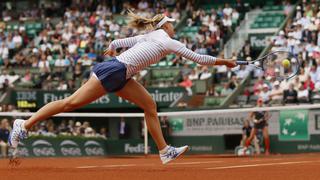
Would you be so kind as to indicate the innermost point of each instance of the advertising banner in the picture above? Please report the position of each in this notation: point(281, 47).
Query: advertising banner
point(294, 125)
point(216, 124)
point(64, 147)
point(36, 99)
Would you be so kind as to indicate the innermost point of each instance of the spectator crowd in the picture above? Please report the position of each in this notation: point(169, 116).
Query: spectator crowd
point(72, 43)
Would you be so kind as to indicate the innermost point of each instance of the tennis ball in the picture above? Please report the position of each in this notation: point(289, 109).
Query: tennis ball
point(286, 63)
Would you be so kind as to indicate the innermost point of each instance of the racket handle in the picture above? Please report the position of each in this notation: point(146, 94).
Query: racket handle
point(242, 62)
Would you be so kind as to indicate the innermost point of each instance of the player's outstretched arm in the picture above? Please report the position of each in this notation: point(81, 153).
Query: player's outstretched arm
point(179, 49)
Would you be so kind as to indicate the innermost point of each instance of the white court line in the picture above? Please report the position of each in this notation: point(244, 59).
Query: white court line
point(106, 166)
point(199, 162)
point(257, 165)
point(86, 167)
point(258, 160)
point(130, 165)
point(118, 165)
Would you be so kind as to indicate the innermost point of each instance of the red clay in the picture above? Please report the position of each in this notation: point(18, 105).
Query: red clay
point(284, 167)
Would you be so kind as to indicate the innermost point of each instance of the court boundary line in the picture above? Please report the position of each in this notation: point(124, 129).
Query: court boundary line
point(258, 165)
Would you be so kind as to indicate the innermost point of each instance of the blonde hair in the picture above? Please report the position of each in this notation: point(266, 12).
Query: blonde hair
point(143, 23)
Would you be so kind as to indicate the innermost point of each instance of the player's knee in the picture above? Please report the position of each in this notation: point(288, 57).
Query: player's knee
point(151, 107)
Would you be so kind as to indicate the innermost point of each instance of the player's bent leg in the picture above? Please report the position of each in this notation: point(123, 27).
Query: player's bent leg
point(256, 145)
point(266, 139)
point(87, 93)
point(250, 138)
point(136, 93)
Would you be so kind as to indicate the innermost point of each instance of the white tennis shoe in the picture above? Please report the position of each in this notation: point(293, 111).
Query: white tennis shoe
point(17, 133)
point(172, 153)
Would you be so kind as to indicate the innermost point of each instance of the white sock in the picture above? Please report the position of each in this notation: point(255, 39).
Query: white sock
point(164, 150)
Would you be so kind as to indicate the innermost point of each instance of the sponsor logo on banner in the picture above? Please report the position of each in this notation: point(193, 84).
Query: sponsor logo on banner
point(139, 148)
point(201, 148)
point(310, 147)
point(93, 148)
point(259, 41)
point(70, 148)
point(43, 148)
point(294, 125)
point(216, 124)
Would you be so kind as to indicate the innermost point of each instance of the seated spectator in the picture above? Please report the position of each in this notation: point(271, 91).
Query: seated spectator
point(242, 72)
point(309, 84)
point(4, 51)
point(85, 61)
point(44, 64)
point(233, 82)
point(276, 93)
point(76, 130)
point(102, 133)
point(257, 85)
point(302, 75)
point(205, 74)
point(303, 94)
point(187, 84)
point(226, 90)
point(290, 95)
point(27, 77)
point(60, 62)
point(227, 10)
point(62, 86)
point(84, 127)
point(235, 16)
point(264, 95)
point(193, 75)
point(89, 132)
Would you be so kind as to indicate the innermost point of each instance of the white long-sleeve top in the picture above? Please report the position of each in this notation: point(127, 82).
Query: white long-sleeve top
point(149, 48)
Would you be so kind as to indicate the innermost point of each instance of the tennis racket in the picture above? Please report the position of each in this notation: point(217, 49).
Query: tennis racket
point(281, 65)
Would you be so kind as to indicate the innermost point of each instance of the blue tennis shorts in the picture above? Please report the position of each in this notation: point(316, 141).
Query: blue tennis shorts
point(112, 74)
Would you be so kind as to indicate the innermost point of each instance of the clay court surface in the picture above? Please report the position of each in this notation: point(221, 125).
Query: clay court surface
point(284, 167)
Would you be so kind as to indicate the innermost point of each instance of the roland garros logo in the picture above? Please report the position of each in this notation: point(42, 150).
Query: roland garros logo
point(93, 148)
point(43, 148)
point(70, 148)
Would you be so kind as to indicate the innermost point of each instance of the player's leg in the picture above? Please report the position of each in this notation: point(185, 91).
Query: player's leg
point(87, 93)
point(256, 144)
point(252, 135)
point(243, 140)
point(266, 139)
point(136, 93)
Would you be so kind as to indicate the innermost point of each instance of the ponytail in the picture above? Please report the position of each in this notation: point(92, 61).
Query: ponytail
point(143, 23)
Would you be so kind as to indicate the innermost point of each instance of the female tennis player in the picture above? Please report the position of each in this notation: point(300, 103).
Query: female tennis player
point(115, 76)
point(260, 121)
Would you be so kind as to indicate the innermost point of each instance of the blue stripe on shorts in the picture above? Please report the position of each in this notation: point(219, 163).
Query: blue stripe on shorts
point(112, 74)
